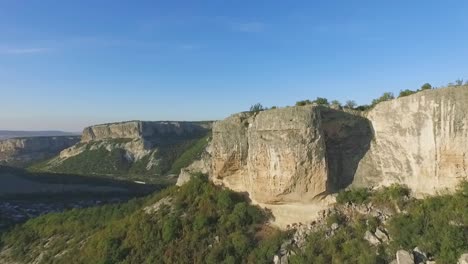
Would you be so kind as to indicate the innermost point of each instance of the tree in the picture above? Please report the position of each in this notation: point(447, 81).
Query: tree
point(459, 82)
point(257, 108)
point(426, 86)
point(336, 103)
point(321, 101)
point(303, 102)
point(406, 93)
point(351, 104)
point(385, 97)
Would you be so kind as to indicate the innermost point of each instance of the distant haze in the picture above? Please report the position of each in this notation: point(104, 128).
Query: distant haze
point(4, 134)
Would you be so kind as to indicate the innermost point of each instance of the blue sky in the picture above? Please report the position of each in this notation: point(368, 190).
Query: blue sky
point(67, 64)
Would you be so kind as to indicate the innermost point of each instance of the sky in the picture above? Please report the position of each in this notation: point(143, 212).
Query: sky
point(68, 64)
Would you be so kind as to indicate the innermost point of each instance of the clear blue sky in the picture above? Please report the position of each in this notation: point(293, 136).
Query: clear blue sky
point(67, 64)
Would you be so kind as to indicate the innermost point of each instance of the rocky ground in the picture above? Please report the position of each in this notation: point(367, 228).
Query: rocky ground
point(380, 236)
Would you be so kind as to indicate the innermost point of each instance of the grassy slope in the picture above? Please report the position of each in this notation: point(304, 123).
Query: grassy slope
point(171, 158)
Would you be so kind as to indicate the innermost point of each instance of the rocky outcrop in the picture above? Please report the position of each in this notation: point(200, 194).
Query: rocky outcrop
point(419, 140)
point(22, 151)
point(149, 130)
point(299, 154)
point(275, 156)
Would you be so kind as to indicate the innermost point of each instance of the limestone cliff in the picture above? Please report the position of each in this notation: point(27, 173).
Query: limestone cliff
point(275, 156)
point(134, 147)
point(295, 154)
point(22, 151)
point(419, 140)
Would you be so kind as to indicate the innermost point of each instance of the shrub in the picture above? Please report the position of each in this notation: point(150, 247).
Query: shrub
point(336, 103)
point(303, 102)
point(426, 86)
point(357, 196)
point(385, 97)
point(257, 108)
point(406, 93)
point(321, 101)
point(350, 104)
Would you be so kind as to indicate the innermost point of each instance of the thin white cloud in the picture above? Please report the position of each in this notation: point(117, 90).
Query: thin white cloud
point(250, 27)
point(19, 51)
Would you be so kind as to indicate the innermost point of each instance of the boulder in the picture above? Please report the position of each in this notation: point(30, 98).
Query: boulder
point(463, 259)
point(404, 257)
point(371, 238)
point(419, 256)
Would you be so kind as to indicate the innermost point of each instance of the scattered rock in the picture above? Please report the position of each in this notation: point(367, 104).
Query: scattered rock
point(404, 257)
point(463, 259)
point(419, 256)
point(276, 259)
point(335, 226)
point(381, 235)
point(371, 238)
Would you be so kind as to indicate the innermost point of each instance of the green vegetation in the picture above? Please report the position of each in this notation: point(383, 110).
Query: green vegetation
point(171, 155)
point(98, 161)
point(350, 104)
point(347, 245)
point(426, 86)
point(198, 223)
point(318, 101)
point(385, 97)
point(437, 225)
point(393, 195)
point(191, 154)
point(336, 103)
point(257, 108)
point(406, 93)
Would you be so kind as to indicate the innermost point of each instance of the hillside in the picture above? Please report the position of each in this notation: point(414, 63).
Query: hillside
point(23, 151)
point(202, 223)
point(135, 149)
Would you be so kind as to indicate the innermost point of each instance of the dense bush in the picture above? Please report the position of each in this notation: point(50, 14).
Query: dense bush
point(357, 196)
point(437, 225)
point(385, 97)
point(257, 108)
point(202, 223)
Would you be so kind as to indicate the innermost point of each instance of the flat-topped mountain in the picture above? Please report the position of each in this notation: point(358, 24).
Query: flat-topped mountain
point(26, 150)
point(133, 148)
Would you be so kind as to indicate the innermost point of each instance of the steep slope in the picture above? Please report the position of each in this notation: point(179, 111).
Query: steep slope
point(300, 154)
point(197, 223)
point(259, 153)
point(419, 140)
point(128, 149)
point(23, 151)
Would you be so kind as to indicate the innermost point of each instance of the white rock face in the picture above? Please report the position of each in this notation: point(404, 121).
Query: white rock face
point(404, 257)
point(24, 150)
point(142, 129)
point(275, 156)
point(136, 140)
point(296, 155)
point(419, 140)
point(463, 259)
